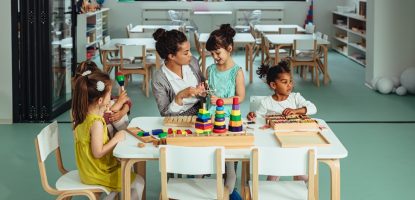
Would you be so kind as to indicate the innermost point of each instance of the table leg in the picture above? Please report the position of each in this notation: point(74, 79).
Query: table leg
point(262, 48)
point(246, 58)
point(326, 71)
point(334, 166)
point(124, 178)
point(316, 195)
point(140, 169)
point(244, 177)
point(251, 63)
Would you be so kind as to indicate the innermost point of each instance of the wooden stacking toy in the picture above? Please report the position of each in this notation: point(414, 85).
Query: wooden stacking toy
point(120, 79)
point(235, 121)
point(203, 123)
point(219, 125)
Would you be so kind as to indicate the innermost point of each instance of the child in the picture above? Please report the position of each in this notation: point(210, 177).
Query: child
point(178, 85)
point(283, 101)
point(93, 148)
point(116, 116)
point(226, 78)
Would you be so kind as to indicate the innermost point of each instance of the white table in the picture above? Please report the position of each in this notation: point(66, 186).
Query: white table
point(128, 152)
point(281, 40)
point(113, 46)
point(141, 28)
point(240, 38)
point(275, 28)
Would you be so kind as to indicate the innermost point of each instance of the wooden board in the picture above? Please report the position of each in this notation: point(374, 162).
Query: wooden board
point(228, 140)
point(180, 121)
point(146, 139)
point(292, 122)
point(301, 139)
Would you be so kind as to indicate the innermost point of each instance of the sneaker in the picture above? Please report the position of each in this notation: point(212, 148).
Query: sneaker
point(235, 195)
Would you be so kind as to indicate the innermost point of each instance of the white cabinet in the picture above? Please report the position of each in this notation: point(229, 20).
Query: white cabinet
point(349, 36)
point(92, 27)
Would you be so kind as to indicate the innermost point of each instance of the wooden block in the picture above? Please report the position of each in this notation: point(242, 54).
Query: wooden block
point(179, 121)
point(228, 140)
point(146, 139)
point(301, 139)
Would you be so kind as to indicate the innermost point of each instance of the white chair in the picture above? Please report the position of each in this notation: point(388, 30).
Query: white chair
point(282, 162)
point(69, 184)
point(270, 54)
point(252, 19)
point(192, 161)
point(128, 29)
point(175, 18)
point(306, 55)
point(255, 102)
point(286, 30)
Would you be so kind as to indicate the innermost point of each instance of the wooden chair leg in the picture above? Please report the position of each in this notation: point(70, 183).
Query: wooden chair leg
point(146, 79)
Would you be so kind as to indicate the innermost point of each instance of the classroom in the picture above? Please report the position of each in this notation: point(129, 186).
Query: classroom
point(207, 99)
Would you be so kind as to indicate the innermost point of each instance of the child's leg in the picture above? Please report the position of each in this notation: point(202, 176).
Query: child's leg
point(137, 188)
point(301, 178)
point(111, 196)
point(230, 176)
point(273, 178)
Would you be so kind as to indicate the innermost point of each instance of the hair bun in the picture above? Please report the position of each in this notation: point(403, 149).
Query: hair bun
point(159, 33)
point(227, 29)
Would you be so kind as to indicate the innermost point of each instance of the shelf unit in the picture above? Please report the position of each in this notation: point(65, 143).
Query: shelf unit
point(91, 29)
point(350, 36)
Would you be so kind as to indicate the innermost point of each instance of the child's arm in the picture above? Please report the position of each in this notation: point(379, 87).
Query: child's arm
point(121, 100)
point(116, 116)
point(98, 148)
point(304, 106)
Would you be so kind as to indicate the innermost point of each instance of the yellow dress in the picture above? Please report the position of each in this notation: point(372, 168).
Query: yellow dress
point(105, 171)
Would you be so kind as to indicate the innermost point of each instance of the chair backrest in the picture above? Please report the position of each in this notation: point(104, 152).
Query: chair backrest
point(287, 30)
point(255, 17)
point(319, 34)
point(46, 142)
point(197, 43)
point(107, 39)
point(325, 37)
point(175, 17)
point(255, 102)
point(192, 160)
point(128, 29)
point(132, 51)
point(283, 162)
point(306, 45)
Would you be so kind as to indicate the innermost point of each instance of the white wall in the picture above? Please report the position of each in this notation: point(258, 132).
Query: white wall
point(6, 101)
point(125, 13)
point(390, 38)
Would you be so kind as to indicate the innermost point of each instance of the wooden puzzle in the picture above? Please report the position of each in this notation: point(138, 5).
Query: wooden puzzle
point(141, 135)
point(180, 121)
point(301, 139)
point(291, 122)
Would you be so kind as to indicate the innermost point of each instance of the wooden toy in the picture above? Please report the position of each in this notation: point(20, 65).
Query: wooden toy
point(301, 139)
point(180, 121)
point(219, 125)
point(203, 124)
point(120, 79)
point(291, 122)
point(141, 135)
point(235, 121)
point(227, 139)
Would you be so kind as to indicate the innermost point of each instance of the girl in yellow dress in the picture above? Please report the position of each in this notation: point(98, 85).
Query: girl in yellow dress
point(93, 148)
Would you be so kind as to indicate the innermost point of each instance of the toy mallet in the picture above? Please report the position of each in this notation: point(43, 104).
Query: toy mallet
point(120, 79)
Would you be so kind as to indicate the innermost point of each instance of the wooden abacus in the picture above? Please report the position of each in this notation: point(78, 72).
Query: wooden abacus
point(291, 122)
point(180, 121)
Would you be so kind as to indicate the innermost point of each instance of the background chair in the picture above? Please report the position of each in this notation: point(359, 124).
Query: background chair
point(282, 162)
point(175, 18)
point(128, 29)
point(138, 66)
point(199, 48)
point(269, 53)
point(253, 18)
point(305, 54)
point(192, 161)
point(69, 184)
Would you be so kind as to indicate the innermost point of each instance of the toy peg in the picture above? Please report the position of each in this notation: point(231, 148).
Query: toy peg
point(120, 79)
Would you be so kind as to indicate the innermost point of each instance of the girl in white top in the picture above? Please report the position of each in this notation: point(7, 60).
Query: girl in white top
point(283, 101)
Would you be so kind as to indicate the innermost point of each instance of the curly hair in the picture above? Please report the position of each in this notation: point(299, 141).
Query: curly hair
point(221, 38)
point(272, 73)
point(168, 42)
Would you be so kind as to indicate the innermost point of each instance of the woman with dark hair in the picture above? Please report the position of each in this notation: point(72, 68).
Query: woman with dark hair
point(178, 85)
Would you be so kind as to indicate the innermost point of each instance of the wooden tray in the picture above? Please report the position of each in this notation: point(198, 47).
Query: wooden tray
point(180, 121)
point(230, 140)
point(301, 139)
point(146, 139)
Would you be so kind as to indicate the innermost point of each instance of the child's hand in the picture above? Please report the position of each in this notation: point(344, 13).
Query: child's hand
point(123, 97)
point(213, 99)
point(116, 116)
point(289, 111)
point(119, 136)
point(251, 116)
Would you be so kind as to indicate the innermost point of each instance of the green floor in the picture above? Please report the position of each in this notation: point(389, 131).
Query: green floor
point(367, 123)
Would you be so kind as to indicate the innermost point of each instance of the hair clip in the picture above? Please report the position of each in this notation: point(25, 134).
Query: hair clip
point(100, 86)
point(86, 73)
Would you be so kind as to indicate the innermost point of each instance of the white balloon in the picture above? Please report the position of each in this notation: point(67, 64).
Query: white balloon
point(384, 85)
point(401, 91)
point(408, 79)
point(395, 81)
